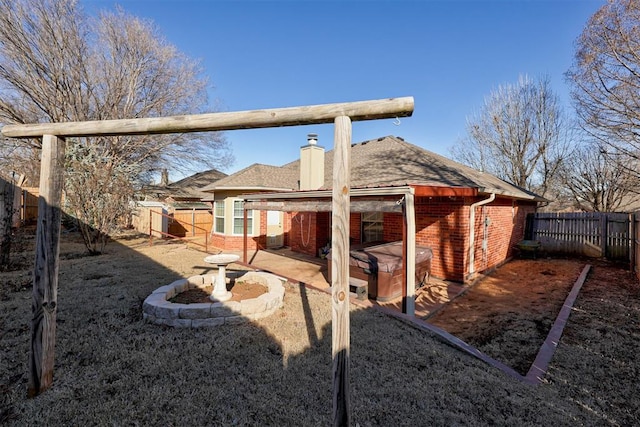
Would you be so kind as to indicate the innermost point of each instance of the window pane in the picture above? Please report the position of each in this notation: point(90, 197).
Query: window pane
point(372, 226)
point(237, 208)
point(218, 208)
point(219, 225)
point(238, 218)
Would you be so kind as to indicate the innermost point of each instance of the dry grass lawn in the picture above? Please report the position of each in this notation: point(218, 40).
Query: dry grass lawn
point(112, 368)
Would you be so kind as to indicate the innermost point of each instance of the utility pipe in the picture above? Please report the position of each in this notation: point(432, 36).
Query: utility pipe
point(472, 231)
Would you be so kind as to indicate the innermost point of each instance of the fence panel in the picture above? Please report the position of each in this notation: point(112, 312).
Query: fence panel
point(636, 245)
point(594, 234)
point(190, 223)
point(29, 205)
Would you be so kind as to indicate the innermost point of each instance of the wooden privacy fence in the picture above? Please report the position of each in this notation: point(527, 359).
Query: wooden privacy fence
point(636, 243)
point(190, 223)
point(164, 225)
point(29, 205)
point(594, 234)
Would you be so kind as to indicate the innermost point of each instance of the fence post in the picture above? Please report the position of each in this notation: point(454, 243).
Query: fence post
point(150, 227)
point(528, 227)
point(604, 234)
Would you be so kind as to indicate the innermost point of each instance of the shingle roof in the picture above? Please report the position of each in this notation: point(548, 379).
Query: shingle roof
point(186, 188)
point(258, 177)
point(383, 162)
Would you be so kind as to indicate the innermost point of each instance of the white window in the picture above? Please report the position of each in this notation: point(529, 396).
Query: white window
point(218, 216)
point(238, 218)
point(372, 227)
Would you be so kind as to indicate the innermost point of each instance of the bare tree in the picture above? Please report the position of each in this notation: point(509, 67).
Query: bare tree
point(57, 64)
point(605, 78)
point(595, 182)
point(520, 134)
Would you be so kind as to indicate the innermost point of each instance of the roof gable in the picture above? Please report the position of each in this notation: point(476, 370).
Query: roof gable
point(389, 161)
point(259, 177)
point(186, 188)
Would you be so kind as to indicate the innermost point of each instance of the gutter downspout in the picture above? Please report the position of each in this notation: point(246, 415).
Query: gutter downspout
point(472, 231)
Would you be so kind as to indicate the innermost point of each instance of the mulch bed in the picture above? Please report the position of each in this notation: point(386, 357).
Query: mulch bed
point(239, 291)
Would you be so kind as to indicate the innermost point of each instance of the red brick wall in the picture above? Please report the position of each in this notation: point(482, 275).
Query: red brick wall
point(355, 228)
point(323, 229)
point(442, 223)
point(303, 235)
point(286, 228)
point(505, 228)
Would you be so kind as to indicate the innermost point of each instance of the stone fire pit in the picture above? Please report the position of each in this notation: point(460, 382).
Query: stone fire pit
point(159, 310)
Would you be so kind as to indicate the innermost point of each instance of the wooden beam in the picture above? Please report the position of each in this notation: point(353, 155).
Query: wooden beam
point(323, 205)
point(340, 337)
point(277, 117)
point(45, 276)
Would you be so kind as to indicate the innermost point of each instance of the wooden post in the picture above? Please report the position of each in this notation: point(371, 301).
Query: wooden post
point(150, 227)
point(409, 300)
point(45, 274)
point(245, 245)
point(340, 337)
point(193, 222)
point(604, 233)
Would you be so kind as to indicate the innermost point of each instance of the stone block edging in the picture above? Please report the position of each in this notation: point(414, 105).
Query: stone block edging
point(157, 308)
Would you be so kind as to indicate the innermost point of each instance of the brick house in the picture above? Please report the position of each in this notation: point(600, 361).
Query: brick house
point(448, 198)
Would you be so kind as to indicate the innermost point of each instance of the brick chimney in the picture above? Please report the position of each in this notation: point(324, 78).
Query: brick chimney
point(311, 164)
point(164, 177)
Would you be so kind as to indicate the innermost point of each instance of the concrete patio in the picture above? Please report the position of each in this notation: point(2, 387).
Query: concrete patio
point(313, 271)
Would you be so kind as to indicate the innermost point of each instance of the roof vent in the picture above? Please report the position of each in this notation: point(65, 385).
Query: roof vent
point(312, 138)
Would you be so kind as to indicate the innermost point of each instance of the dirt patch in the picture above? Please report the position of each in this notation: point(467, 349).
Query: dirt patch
point(239, 291)
point(508, 314)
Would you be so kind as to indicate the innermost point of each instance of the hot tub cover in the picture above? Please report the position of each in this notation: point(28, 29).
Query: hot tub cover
point(386, 257)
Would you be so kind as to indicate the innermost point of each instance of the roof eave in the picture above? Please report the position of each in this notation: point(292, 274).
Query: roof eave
point(316, 194)
point(245, 188)
point(523, 196)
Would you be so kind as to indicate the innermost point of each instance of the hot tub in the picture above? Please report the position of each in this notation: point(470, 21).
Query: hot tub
point(381, 267)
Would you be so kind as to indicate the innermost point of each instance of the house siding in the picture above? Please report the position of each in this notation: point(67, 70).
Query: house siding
point(236, 242)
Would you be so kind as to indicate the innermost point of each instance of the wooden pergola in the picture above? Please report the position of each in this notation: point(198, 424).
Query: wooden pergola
point(45, 278)
point(399, 199)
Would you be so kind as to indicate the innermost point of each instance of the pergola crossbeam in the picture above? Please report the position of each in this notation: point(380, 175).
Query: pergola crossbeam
point(255, 119)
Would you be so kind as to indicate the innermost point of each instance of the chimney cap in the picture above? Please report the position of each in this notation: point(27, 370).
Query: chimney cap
point(312, 138)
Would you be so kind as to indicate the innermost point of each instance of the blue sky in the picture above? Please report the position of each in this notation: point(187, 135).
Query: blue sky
point(448, 55)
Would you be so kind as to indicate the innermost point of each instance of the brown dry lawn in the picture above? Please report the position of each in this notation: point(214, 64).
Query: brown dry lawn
point(112, 368)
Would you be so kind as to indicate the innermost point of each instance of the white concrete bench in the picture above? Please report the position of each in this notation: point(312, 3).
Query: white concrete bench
point(359, 287)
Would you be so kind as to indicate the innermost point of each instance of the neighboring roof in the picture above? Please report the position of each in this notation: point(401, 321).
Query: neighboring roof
point(384, 162)
point(187, 188)
point(258, 177)
point(149, 204)
point(190, 205)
